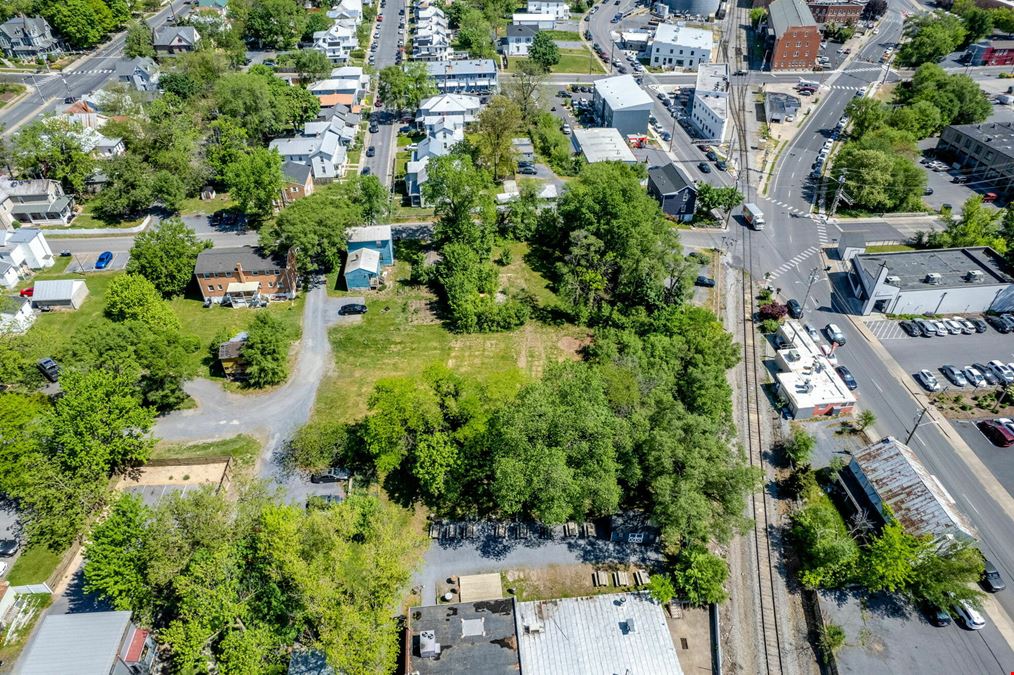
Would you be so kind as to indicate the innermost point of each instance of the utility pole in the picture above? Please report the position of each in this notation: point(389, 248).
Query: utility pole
point(837, 195)
point(813, 278)
point(918, 421)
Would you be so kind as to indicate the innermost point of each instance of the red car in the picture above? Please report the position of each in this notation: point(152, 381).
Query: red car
point(997, 433)
point(27, 292)
point(380, 18)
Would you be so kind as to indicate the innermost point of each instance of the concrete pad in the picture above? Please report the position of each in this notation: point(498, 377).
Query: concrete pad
point(480, 587)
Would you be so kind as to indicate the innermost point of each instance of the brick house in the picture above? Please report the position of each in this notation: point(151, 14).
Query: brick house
point(298, 182)
point(990, 53)
point(793, 34)
point(844, 12)
point(243, 275)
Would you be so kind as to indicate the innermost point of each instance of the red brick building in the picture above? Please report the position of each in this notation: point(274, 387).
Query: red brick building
point(990, 53)
point(242, 275)
point(844, 12)
point(298, 182)
point(794, 35)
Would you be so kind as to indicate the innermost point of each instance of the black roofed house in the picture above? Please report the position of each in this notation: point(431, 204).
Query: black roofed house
point(298, 181)
point(673, 190)
point(171, 40)
point(518, 40)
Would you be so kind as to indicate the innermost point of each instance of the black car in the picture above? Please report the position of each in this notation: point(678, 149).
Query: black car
point(371, 151)
point(587, 35)
point(999, 323)
point(795, 309)
point(911, 328)
point(9, 547)
point(703, 166)
point(846, 376)
point(374, 128)
point(987, 373)
point(991, 579)
point(706, 282)
point(527, 170)
point(351, 308)
point(938, 616)
point(980, 325)
point(710, 154)
point(366, 171)
point(928, 191)
point(49, 369)
point(720, 163)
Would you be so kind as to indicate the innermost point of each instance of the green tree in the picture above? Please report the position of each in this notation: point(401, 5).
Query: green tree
point(543, 51)
point(865, 419)
point(373, 198)
point(310, 64)
point(958, 97)
point(130, 190)
point(934, 36)
point(710, 197)
point(947, 573)
point(830, 641)
point(523, 88)
point(50, 148)
point(1003, 19)
point(979, 225)
point(460, 195)
point(520, 218)
point(165, 255)
point(700, 576)
point(226, 143)
point(866, 114)
point(82, 23)
point(131, 297)
point(255, 181)
point(828, 553)
point(319, 445)
point(267, 351)
point(661, 588)
point(315, 226)
point(247, 99)
point(115, 556)
point(476, 35)
point(757, 14)
point(921, 119)
point(978, 24)
point(169, 190)
point(277, 24)
point(800, 445)
point(879, 180)
point(496, 127)
point(405, 86)
point(888, 562)
point(99, 426)
point(139, 40)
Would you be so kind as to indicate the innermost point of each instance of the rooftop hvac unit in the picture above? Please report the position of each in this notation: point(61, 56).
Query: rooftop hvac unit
point(429, 648)
point(534, 627)
point(893, 279)
point(934, 278)
point(975, 276)
point(631, 626)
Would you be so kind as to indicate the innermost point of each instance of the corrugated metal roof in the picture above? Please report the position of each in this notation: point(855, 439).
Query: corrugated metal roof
point(616, 633)
point(83, 644)
point(787, 13)
point(55, 289)
point(916, 498)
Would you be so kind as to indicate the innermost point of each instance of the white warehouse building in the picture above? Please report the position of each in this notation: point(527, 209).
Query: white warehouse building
point(677, 46)
point(710, 109)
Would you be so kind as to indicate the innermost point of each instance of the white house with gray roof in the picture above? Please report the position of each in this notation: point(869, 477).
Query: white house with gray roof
point(27, 37)
point(141, 73)
point(474, 76)
point(171, 40)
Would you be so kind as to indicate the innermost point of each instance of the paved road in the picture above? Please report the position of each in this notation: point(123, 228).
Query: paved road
point(385, 140)
point(275, 415)
point(84, 77)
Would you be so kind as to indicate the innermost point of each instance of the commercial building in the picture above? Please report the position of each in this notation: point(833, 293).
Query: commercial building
point(620, 103)
point(888, 475)
point(678, 46)
point(935, 281)
point(985, 151)
point(89, 643)
point(602, 145)
point(476, 76)
point(806, 377)
point(794, 37)
point(674, 191)
point(242, 275)
point(466, 637)
point(709, 111)
point(990, 53)
point(27, 37)
point(780, 107)
point(843, 12)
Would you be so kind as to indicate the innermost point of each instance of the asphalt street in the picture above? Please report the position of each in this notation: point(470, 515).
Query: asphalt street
point(385, 140)
point(84, 77)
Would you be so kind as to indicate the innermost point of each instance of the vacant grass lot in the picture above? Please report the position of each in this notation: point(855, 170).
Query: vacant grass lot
point(580, 61)
point(87, 219)
point(241, 447)
point(34, 566)
point(402, 335)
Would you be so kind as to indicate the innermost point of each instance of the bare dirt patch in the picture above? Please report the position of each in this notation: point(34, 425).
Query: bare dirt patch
point(562, 581)
point(572, 346)
point(422, 312)
point(177, 474)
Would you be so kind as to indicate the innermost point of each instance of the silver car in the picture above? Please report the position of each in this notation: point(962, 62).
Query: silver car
point(974, 377)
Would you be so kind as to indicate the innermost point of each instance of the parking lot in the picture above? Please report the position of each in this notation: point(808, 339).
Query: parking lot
point(915, 353)
point(999, 461)
point(85, 262)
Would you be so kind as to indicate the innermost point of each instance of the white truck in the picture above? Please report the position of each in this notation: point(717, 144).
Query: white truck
point(753, 216)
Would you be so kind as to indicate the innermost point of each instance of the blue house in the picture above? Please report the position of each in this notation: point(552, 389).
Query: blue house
point(362, 269)
point(375, 237)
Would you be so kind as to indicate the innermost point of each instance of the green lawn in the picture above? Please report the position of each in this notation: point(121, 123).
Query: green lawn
point(570, 35)
point(578, 61)
point(87, 219)
point(10, 91)
point(240, 447)
point(195, 205)
point(34, 566)
point(410, 214)
point(400, 336)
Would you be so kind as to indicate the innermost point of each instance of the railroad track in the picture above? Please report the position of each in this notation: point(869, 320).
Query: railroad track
point(770, 653)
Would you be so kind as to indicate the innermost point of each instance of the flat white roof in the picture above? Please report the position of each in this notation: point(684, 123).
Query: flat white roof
point(684, 36)
point(622, 92)
point(712, 87)
point(616, 633)
point(603, 145)
point(370, 233)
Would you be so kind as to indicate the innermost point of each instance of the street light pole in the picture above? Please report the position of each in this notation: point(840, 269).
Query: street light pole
point(813, 278)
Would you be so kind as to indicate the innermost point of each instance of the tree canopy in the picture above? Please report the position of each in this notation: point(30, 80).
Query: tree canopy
point(165, 255)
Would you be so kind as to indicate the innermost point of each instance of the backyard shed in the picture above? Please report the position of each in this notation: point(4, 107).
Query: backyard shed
point(59, 294)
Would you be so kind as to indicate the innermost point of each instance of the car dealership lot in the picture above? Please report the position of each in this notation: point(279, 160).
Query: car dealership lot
point(915, 353)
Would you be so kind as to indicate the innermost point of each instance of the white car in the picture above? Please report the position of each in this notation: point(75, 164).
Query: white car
point(566, 129)
point(974, 377)
point(812, 332)
point(969, 616)
point(954, 327)
point(1001, 371)
point(967, 325)
point(927, 380)
point(834, 334)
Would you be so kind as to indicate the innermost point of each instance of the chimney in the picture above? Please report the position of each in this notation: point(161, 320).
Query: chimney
point(239, 273)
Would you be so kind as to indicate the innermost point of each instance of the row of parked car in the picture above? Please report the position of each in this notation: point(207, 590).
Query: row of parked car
point(956, 325)
point(994, 373)
point(817, 170)
point(999, 431)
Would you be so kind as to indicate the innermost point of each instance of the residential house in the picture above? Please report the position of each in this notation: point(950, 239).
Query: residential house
point(517, 40)
point(673, 190)
point(990, 53)
point(352, 73)
point(89, 643)
point(432, 38)
point(243, 275)
point(230, 356)
point(170, 40)
point(677, 46)
point(459, 109)
point(780, 107)
point(347, 90)
point(23, 251)
point(141, 73)
point(219, 7)
point(524, 149)
point(59, 294)
point(794, 35)
point(362, 270)
point(602, 145)
point(344, 124)
point(36, 201)
point(375, 237)
point(539, 21)
point(476, 76)
point(27, 37)
point(336, 43)
point(347, 10)
point(558, 8)
point(841, 12)
point(620, 103)
point(16, 315)
point(442, 137)
point(324, 154)
point(298, 182)
point(709, 110)
point(415, 177)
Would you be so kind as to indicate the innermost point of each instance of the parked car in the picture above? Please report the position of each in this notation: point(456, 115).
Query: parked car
point(999, 324)
point(966, 325)
point(710, 154)
point(566, 129)
point(371, 151)
point(527, 170)
point(928, 328)
point(27, 292)
point(49, 368)
point(979, 324)
point(998, 434)
point(9, 547)
point(374, 128)
point(366, 171)
point(706, 282)
point(332, 475)
point(102, 262)
point(834, 334)
point(938, 616)
point(927, 380)
point(795, 309)
point(1002, 372)
point(846, 376)
point(942, 328)
point(812, 332)
point(910, 328)
point(953, 327)
point(969, 616)
point(974, 376)
point(987, 373)
point(703, 167)
point(954, 374)
point(991, 580)
point(351, 308)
